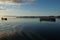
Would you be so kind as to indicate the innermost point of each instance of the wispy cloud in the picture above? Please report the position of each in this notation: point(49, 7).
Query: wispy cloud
point(15, 1)
point(3, 8)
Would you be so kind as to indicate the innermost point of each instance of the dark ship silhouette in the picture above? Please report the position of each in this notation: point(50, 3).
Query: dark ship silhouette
point(47, 19)
point(3, 18)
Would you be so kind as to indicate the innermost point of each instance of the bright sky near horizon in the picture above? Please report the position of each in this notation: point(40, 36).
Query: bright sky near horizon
point(30, 7)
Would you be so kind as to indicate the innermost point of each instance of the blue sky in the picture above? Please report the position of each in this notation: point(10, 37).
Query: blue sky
point(33, 8)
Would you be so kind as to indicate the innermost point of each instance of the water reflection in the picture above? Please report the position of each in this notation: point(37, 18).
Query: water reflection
point(29, 29)
point(22, 35)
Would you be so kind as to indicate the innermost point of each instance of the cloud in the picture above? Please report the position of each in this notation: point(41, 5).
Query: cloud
point(15, 1)
point(3, 8)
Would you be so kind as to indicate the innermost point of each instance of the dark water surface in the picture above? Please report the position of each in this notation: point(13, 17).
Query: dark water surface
point(30, 29)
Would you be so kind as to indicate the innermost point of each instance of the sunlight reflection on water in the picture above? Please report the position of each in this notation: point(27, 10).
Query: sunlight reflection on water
point(28, 27)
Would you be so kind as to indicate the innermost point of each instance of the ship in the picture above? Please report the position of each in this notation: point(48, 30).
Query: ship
point(3, 18)
point(47, 19)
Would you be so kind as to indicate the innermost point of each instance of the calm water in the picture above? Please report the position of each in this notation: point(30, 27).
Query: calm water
point(32, 28)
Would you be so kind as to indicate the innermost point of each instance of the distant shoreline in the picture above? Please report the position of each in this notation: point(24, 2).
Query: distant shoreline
point(37, 17)
point(33, 16)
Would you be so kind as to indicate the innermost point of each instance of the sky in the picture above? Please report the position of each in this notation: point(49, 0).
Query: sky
point(30, 7)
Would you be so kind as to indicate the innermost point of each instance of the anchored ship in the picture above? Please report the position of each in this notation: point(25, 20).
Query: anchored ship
point(47, 19)
point(3, 18)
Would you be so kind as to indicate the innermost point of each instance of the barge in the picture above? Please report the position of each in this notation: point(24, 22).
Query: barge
point(47, 19)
